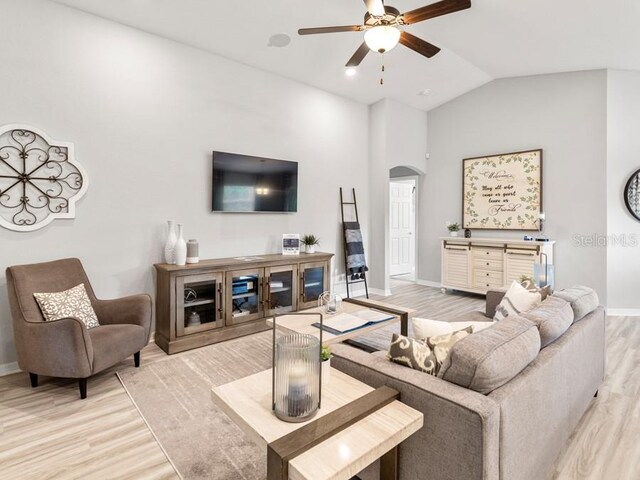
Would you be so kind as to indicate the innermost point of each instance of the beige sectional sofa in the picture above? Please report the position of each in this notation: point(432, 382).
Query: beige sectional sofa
point(516, 431)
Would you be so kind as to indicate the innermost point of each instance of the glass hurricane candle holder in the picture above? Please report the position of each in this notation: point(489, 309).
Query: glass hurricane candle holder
point(330, 302)
point(297, 377)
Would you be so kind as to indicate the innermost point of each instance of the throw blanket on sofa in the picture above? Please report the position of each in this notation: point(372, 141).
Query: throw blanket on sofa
point(356, 263)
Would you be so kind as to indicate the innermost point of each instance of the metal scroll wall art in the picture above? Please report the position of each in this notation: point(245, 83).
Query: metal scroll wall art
point(39, 179)
point(632, 195)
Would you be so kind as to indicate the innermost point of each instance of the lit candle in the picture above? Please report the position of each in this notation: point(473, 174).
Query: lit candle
point(298, 390)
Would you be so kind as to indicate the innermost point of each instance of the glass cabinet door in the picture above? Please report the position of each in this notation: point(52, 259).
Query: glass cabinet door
point(199, 303)
point(281, 289)
point(244, 296)
point(313, 279)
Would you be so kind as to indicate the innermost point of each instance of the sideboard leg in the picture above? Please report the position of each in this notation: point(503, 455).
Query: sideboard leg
point(389, 465)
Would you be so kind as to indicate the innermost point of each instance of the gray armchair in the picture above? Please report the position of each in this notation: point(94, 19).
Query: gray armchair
point(66, 348)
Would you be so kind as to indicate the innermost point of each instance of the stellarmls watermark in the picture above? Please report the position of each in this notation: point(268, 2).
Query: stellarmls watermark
point(624, 240)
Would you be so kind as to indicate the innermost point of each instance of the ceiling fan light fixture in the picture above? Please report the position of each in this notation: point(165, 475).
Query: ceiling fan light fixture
point(350, 71)
point(382, 38)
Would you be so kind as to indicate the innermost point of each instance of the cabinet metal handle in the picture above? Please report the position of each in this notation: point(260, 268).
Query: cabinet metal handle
point(522, 254)
point(220, 308)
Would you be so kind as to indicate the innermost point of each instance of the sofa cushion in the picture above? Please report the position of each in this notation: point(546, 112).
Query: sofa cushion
point(490, 358)
point(412, 353)
point(553, 317)
point(112, 343)
point(517, 299)
point(583, 300)
point(72, 303)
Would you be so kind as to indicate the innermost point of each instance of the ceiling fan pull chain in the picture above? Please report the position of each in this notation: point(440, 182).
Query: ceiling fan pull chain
point(382, 69)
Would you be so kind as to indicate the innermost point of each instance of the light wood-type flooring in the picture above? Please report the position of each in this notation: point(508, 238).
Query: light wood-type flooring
point(48, 433)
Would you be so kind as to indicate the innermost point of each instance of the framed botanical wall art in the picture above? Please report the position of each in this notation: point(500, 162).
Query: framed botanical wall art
point(502, 192)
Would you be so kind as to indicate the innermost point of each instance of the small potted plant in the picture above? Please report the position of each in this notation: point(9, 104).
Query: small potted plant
point(453, 228)
point(310, 241)
point(325, 356)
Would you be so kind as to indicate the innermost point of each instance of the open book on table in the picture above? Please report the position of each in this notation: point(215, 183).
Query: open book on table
point(348, 322)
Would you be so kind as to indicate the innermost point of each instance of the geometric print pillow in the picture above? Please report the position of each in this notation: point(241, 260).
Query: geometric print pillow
point(412, 353)
point(72, 303)
point(426, 355)
point(517, 300)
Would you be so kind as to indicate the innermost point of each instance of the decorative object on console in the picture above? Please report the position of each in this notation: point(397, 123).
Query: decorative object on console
point(453, 228)
point(331, 303)
point(193, 251)
point(503, 192)
point(541, 236)
point(517, 300)
point(170, 244)
point(543, 273)
point(467, 233)
point(632, 195)
point(291, 244)
point(180, 251)
point(310, 241)
point(193, 319)
point(40, 179)
point(297, 375)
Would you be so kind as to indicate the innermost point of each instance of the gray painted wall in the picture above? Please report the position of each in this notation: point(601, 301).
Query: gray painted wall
point(564, 114)
point(145, 114)
point(397, 137)
point(623, 159)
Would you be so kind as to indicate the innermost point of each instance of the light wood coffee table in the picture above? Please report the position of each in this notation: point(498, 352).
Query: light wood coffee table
point(292, 323)
point(315, 450)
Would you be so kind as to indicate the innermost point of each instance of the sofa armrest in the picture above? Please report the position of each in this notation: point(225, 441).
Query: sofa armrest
point(494, 297)
point(58, 348)
point(134, 310)
point(460, 437)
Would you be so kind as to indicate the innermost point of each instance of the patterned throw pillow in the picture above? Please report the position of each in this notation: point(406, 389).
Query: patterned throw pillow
point(441, 345)
point(531, 286)
point(425, 355)
point(72, 303)
point(412, 353)
point(517, 300)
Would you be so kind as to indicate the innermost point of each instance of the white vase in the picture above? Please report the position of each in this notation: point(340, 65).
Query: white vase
point(310, 248)
point(180, 251)
point(453, 234)
point(170, 245)
point(326, 371)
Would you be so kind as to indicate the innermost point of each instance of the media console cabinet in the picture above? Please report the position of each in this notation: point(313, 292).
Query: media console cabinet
point(480, 264)
point(216, 300)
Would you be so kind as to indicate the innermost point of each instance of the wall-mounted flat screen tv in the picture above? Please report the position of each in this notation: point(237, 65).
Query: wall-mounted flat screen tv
point(242, 183)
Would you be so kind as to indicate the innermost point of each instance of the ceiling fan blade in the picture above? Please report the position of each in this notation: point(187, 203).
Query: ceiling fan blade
point(418, 45)
point(358, 56)
point(346, 28)
point(375, 7)
point(435, 10)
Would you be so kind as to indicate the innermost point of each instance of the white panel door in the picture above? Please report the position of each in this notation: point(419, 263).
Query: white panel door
point(402, 220)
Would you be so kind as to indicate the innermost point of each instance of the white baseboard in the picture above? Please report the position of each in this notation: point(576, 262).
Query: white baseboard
point(428, 283)
point(9, 368)
point(379, 291)
point(623, 312)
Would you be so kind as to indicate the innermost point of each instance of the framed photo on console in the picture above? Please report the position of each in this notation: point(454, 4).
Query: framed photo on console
point(502, 192)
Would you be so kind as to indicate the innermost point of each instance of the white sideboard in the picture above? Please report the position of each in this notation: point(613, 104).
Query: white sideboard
point(481, 264)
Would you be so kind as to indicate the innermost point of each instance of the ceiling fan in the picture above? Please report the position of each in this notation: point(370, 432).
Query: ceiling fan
point(382, 27)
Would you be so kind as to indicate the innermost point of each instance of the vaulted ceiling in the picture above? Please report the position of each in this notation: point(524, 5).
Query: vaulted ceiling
point(492, 39)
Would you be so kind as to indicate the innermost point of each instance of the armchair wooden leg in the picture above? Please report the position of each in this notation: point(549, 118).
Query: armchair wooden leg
point(82, 382)
point(595, 394)
point(34, 379)
point(136, 359)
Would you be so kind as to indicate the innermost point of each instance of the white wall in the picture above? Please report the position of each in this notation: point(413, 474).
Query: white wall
point(623, 159)
point(398, 137)
point(145, 114)
point(564, 114)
